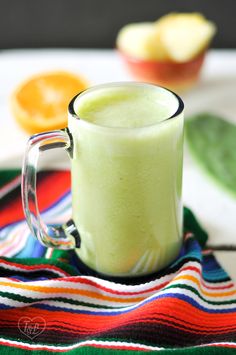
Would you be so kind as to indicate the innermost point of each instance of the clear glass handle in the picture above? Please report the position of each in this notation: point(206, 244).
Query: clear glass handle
point(65, 236)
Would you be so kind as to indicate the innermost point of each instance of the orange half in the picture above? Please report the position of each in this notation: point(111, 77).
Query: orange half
point(40, 103)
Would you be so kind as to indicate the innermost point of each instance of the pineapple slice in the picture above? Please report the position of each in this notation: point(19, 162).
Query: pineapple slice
point(184, 35)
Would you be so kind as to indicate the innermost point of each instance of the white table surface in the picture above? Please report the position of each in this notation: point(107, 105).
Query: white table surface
point(215, 92)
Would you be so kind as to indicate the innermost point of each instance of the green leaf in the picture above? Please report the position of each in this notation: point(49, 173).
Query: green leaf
point(212, 142)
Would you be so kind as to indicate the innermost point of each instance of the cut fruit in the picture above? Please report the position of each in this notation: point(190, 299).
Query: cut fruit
point(133, 39)
point(184, 35)
point(141, 40)
point(40, 103)
point(176, 37)
point(169, 52)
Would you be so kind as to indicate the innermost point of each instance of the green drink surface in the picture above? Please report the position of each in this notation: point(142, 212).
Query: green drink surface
point(126, 183)
point(132, 108)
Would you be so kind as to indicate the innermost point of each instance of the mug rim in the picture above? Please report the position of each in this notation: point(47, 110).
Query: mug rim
point(72, 113)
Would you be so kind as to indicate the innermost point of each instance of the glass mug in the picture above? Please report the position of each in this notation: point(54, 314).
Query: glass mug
point(126, 170)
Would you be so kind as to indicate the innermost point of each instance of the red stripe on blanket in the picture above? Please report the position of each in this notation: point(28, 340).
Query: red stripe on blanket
point(13, 212)
point(181, 316)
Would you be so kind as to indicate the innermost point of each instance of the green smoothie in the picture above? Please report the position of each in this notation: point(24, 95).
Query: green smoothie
point(127, 177)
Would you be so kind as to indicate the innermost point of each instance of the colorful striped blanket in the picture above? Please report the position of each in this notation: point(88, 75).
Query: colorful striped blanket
point(47, 305)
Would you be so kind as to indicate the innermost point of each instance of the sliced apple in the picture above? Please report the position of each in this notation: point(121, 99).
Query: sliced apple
point(141, 40)
point(184, 35)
